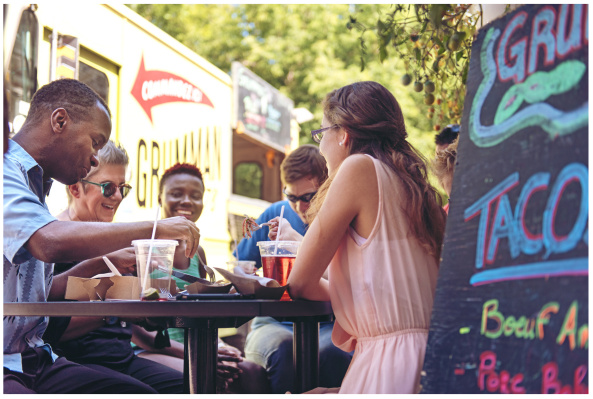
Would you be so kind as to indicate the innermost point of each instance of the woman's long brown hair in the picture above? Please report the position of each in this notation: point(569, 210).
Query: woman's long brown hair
point(373, 119)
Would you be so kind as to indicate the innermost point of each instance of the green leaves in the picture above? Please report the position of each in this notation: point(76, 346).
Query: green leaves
point(431, 40)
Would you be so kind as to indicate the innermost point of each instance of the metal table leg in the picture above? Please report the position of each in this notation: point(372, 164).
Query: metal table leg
point(305, 355)
point(202, 348)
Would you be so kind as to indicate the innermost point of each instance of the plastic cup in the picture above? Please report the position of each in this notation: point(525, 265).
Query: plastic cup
point(277, 258)
point(160, 268)
point(248, 266)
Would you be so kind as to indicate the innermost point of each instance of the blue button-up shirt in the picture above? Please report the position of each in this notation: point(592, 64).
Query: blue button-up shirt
point(26, 279)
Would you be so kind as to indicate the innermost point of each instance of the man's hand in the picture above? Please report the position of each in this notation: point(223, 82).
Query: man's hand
point(124, 260)
point(227, 370)
point(180, 228)
point(287, 233)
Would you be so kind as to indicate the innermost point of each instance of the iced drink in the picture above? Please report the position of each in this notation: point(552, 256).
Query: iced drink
point(158, 273)
point(278, 268)
point(277, 260)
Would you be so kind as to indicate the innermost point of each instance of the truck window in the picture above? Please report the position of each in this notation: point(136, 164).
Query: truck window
point(23, 68)
point(247, 179)
point(96, 79)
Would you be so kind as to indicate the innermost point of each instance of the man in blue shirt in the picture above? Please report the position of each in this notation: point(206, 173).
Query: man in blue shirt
point(66, 125)
point(269, 343)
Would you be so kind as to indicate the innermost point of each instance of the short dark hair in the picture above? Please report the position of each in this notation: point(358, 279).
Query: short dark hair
point(75, 97)
point(305, 161)
point(180, 168)
point(447, 135)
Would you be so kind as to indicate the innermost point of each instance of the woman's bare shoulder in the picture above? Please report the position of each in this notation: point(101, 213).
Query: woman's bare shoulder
point(357, 167)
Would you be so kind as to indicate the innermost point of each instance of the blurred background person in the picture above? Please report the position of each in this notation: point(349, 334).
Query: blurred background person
point(443, 163)
point(181, 193)
point(270, 342)
point(105, 341)
point(446, 136)
point(378, 225)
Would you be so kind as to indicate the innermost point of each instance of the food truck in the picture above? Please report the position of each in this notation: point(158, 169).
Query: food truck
point(168, 105)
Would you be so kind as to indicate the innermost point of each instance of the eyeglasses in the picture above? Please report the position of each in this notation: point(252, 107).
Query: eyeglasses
point(304, 198)
point(317, 135)
point(109, 188)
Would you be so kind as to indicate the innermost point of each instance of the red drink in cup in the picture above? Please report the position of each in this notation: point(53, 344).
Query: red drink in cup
point(277, 260)
point(278, 268)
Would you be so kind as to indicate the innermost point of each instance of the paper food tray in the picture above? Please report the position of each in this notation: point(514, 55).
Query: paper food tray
point(248, 285)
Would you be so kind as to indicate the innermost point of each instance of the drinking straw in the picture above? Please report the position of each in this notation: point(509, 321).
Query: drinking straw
point(278, 234)
point(158, 210)
point(236, 249)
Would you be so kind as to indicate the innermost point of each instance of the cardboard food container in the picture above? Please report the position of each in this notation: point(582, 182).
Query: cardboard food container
point(252, 285)
point(106, 286)
point(206, 287)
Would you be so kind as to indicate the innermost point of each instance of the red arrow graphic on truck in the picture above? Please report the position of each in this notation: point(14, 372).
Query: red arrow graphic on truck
point(153, 88)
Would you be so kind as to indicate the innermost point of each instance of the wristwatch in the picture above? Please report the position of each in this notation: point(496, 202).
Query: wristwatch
point(111, 320)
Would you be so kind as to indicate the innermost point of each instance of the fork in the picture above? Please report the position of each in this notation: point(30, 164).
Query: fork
point(209, 271)
point(258, 226)
point(166, 291)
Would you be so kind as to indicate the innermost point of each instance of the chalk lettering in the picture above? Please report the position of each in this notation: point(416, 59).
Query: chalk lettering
point(544, 316)
point(551, 384)
point(490, 380)
point(482, 207)
point(494, 323)
point(569, 329)
point(547, 32)
point(564, 44)
point(573, 172)
point(542, 36)
point(505, 224)
point(556, 122)
point(517, 51)
point(528, 242)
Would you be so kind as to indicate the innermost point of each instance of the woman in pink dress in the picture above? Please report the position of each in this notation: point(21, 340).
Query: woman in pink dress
point(378, 225)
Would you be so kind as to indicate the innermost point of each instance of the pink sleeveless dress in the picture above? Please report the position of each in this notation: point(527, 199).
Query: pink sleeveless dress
point(382, 294)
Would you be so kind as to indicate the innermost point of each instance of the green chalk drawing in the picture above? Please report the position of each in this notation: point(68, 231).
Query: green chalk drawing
point(464, 330)
point(553, 121)
point(539, 87)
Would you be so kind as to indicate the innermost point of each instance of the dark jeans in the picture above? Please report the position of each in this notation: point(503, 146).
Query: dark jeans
point(161, 378)
point(40, 375)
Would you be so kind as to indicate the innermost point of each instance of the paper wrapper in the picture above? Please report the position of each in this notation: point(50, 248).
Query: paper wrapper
point(106, 287)
point(206, 287)
point(260, 287)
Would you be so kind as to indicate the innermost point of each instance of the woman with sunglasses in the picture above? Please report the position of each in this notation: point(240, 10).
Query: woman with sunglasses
point(377, 226)
point(97, 197)
point(98, 342)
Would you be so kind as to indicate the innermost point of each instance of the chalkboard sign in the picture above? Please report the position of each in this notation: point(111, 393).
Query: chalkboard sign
point(511, 305)
point(260, 110)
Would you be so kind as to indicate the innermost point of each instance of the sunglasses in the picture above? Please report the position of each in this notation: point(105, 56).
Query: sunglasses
point(109, 188)
point(304, 198)
point(317, 135)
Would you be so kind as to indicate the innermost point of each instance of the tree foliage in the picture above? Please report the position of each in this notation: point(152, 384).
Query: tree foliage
point(304, 50)
point(434, 43)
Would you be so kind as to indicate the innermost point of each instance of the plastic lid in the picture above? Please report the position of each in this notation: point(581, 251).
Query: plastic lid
point(280, 243)
point(156, 242)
